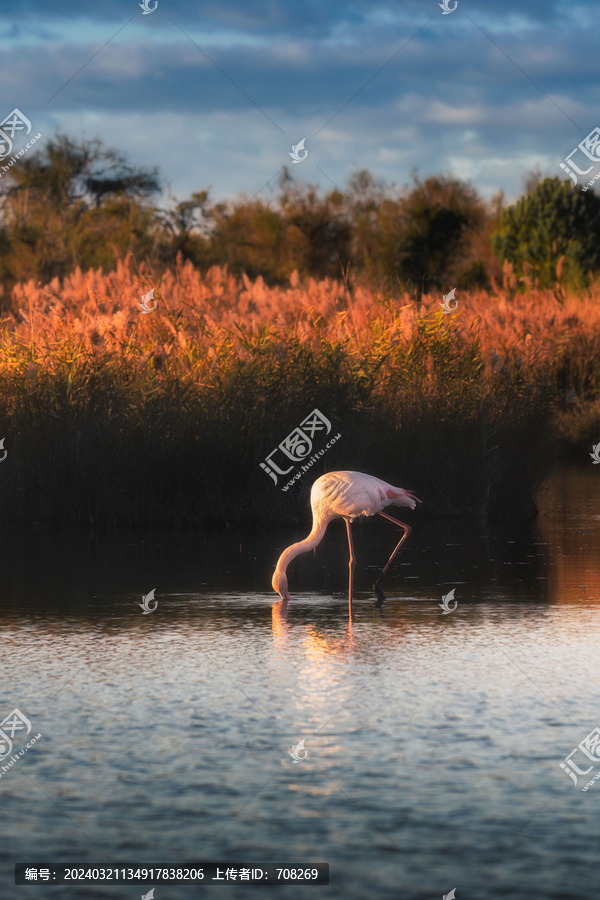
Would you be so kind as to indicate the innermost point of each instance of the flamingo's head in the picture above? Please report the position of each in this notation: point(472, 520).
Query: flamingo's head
point(400, 497)
point(280, 585)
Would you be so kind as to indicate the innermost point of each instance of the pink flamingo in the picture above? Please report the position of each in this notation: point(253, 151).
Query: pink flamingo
point(345, 495)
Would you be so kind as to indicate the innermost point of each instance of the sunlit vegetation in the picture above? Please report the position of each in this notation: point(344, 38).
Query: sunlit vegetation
point(115, 415)
point(269, 307)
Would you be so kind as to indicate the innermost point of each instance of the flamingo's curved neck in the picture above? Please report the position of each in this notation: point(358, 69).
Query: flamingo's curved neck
point(312, 540)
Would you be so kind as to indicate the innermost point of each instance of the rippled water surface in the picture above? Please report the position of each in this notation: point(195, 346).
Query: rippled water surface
point(433, 740)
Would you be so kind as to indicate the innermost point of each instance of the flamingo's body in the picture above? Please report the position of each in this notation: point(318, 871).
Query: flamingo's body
point(345, 495)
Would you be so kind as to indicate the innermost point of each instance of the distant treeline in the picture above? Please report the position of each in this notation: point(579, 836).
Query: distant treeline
point(78, 204)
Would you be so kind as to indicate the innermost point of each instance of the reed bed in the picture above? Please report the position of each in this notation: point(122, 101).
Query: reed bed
point(111, 415)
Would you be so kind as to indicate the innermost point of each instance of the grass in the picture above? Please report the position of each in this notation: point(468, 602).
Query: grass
point(114, 416)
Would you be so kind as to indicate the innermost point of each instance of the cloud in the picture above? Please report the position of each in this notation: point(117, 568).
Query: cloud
point(235, 86)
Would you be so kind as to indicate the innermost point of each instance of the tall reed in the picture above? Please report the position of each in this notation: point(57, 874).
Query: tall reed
point(111, 415)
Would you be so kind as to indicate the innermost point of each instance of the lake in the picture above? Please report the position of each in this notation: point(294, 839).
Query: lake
point(432, 741)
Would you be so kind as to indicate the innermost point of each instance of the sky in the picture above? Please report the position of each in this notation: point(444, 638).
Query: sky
point(216, 94)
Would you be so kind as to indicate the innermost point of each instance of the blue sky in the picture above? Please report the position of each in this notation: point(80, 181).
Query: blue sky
point(216, 93)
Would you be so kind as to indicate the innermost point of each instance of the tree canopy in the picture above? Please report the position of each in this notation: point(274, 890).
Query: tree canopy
point(80, 204)
point(554, 219)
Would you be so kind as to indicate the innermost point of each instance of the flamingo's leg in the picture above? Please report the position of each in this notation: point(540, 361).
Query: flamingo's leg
point(407, 530)
point(351, 564)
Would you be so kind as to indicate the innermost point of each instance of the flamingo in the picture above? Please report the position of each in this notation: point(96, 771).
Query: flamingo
point(345, 495)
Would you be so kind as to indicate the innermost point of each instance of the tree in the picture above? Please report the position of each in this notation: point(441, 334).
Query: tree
point(319, 229)
point(70, 204)
point(249, 236)
point(554, 219)
point(65, 172)
point(368, 198)
point(188, 226)
point(437, 220)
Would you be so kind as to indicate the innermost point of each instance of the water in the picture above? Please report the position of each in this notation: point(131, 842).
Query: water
point(433, 740)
